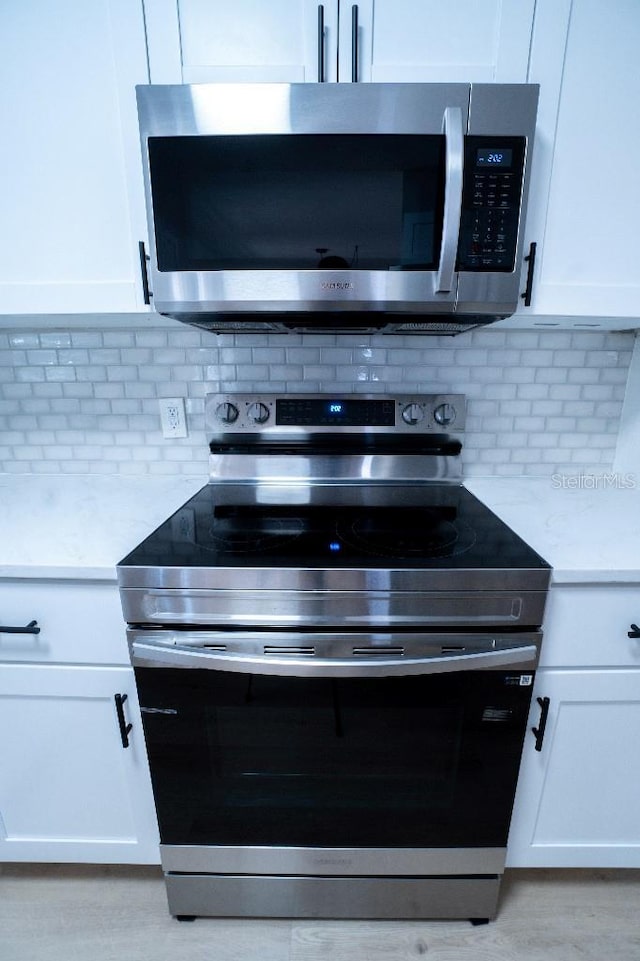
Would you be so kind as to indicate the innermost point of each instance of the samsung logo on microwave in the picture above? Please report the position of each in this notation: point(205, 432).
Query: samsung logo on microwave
point(337, 285)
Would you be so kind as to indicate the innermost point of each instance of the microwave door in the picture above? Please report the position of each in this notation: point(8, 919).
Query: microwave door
point(347, 202)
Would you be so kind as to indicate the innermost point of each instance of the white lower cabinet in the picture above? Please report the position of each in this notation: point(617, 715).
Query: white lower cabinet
point(69, 789)
point(578, 797)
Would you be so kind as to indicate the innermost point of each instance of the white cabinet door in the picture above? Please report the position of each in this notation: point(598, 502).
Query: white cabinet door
point(199, 41)
point(72, 209)
point(195, 41)
point(584, 205)
point(578, 798)
point(430, 41)
point(69, 790)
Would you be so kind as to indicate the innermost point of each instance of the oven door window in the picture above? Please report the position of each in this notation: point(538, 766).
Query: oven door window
point(282, 202)
point(392, 762)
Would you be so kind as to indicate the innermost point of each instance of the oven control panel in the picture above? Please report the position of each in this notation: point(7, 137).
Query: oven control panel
point(334, 413)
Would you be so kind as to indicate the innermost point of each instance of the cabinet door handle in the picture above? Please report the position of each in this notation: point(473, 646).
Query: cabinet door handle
point(354, 43)
point(634, 632)
point(144, 258)
point(122, 723)
point(321, 77)
point(30, 628)
point(544, 714)
point(530, 259)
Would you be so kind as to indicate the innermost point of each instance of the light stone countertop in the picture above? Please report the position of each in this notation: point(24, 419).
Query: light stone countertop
point(588, 534)
point(80, 526)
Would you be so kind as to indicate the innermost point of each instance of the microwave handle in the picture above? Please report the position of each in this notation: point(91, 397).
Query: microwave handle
point(454, 137)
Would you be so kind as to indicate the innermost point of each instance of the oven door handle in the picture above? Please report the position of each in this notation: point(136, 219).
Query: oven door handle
point(145, 654)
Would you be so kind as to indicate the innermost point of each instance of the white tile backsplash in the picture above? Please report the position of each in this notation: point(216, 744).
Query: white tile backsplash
point(85, 401)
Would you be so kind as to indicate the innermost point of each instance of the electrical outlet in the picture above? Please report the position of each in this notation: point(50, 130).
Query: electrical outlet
point(172, 417)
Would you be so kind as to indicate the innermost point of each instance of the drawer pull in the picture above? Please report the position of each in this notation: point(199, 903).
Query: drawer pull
point(544, 714)
point(122, 723)
point(30, 628)
point(634, 632)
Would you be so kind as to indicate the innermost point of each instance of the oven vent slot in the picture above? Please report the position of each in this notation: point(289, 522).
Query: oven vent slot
point(378, 651)
point(292, 651)
point(453, 649)
point(218, 648)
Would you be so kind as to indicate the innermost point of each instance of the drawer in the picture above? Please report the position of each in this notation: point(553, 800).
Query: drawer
point(80, 622)
point(588, 626)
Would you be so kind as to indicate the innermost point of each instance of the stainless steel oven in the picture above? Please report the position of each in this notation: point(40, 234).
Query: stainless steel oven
point(334, 645)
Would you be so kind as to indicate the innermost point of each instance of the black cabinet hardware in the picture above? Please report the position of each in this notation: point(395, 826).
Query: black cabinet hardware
point(30, 628)
point(144, 258)
point(544, 713)
point(354, 43)
point(122, 723)
point(634, 632)
point(531, 260)
point(321, 77)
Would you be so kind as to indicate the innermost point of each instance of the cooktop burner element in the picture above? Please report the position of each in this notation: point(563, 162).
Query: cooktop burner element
point(237, 533)
point(404, 534)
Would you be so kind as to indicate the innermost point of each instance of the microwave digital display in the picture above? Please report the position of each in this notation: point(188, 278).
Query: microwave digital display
point(494, 157)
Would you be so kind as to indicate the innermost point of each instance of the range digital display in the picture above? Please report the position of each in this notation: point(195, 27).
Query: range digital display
point(494, 157)
point(321, 412)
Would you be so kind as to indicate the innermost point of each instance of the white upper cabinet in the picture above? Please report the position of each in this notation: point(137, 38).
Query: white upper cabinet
point(417, 41)
point(194, 41)
point(208, 41)
point(73, 207)
point(584, 205)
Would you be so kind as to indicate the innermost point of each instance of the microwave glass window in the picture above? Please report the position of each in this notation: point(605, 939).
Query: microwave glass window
point(365, 202)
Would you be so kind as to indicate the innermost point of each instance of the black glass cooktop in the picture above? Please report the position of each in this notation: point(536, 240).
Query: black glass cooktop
point(450, 529)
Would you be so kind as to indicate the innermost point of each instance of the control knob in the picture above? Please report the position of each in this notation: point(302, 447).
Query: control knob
point(227, 412)
point(258, 413)
point(412, 414)
point(445, 414)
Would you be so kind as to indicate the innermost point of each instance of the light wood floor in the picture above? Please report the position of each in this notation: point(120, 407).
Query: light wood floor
point(78, 913)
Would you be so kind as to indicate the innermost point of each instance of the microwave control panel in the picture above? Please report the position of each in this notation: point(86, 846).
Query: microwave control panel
point(491, 196)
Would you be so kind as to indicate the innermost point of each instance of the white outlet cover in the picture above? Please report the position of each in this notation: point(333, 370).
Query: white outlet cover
point(172, 417)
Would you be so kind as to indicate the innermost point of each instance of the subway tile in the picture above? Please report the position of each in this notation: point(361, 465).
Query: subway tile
point(89, 339)
point(93, 373)
point(546, 408)
point(555, 339)
point(137, 356)
point(74, 389)
point(73, 356)
point(24, 341)
point(566, 391)
point(48, 390)
point(108, 391)
point(504, 357)
point(583, 376)
point(186, 337)
point(530, 391)
point(118, 338)
point(24, 375)
point(151, 338)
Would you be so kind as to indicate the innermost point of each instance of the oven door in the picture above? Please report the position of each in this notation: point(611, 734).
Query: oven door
point(304, 769)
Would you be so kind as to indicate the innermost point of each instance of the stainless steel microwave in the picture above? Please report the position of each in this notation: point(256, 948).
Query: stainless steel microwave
point(336, 207)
